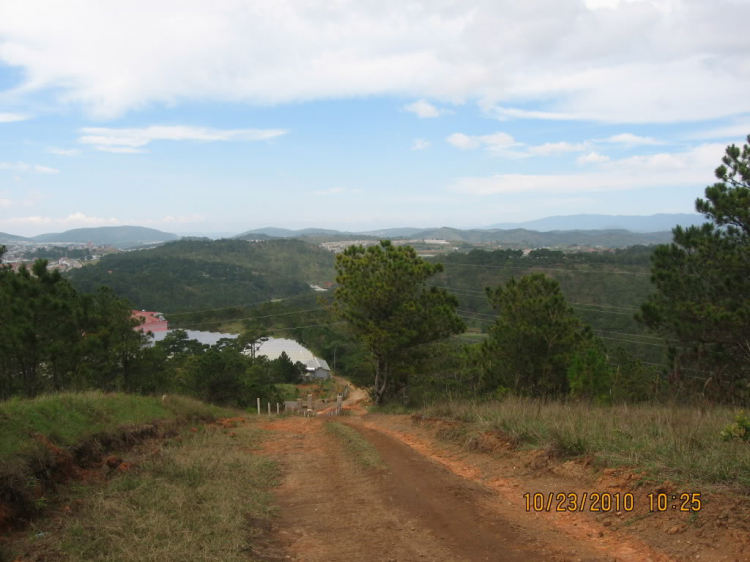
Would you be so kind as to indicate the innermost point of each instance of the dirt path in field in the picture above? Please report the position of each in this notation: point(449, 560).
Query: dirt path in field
point(416, 509)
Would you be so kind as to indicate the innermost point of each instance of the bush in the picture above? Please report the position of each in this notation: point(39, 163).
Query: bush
point(739, 430)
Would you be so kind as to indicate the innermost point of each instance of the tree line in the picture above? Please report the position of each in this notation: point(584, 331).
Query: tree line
point(54, 338)
point(698, 306)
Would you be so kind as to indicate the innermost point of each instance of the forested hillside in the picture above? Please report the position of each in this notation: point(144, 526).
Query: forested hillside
point(199, 274)
point(605, 289)
point(522, 238)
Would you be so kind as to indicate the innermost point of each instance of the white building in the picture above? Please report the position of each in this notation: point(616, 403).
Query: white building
point(274, 347)
point(317, 368)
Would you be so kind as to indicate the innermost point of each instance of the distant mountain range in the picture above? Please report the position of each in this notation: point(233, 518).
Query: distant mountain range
point(284, 232)
point(635, 223)
point(520, 237)
point(589, 230)
point(118, 236)
point(5, 238)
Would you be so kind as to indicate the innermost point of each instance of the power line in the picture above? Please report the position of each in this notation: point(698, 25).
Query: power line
point(575, 305)
point(631, 341)
point(478, 313)
point(478, 293)
point(579, 305)
point(547, 268)
point(238, 305)
point(309, 326)
point(472, 340)
point(631, 335)
point(219, 321)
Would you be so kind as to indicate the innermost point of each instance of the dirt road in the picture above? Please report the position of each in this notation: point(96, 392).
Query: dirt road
point(331, 509)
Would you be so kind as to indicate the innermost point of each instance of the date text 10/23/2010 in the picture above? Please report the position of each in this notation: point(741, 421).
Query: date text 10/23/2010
point(605, 502)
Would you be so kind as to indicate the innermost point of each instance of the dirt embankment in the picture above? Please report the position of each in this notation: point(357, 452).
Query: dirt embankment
point(27, 483)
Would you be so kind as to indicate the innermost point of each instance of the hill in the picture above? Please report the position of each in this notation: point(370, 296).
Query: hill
point(521, 237)
point(119, 236)
point(636, 223)
point(285, 232)
point(516, 237)
point(255, 236)
point(394, 232)
point(5, 237)
point(200, 274)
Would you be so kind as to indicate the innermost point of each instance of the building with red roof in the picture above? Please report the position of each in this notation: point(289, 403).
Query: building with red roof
point(152, 321)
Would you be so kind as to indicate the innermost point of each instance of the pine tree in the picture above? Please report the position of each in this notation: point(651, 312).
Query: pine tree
point(703, 286)
point(385, 300)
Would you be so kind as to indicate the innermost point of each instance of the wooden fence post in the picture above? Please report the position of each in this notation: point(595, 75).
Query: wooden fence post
point(258, 406)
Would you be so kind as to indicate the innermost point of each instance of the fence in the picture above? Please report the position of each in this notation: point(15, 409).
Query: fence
point(308, 409)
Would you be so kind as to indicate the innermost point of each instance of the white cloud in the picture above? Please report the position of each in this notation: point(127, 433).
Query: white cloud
point(129, 141)
point(629, 139)
point(505, 113)
point(31, 198)
point(553, 148)
point(120, 149)
point(737, 132)
point(72, 219)
point(30, 168)
point(499, 144)
point(692, 167)
point(691, 60)
point(83, 220)
point(12, 117)
point(464, 142)
point(420, 144)
point(63, 151)
point(45, 169)
point(591, 158)
point(425, 110)
point(494, 141)
point(336, 191)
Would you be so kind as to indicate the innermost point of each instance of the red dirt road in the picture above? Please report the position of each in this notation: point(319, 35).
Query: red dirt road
point(416, 509)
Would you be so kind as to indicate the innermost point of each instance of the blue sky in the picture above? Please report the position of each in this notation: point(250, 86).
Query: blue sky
point(232, 115)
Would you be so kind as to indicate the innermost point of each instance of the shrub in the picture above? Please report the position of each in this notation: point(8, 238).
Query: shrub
point(739, 430)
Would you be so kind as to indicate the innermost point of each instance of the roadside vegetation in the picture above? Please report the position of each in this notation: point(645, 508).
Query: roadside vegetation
point(68, 419)
point(202, 496)
point(669, 442)
point(360, 449)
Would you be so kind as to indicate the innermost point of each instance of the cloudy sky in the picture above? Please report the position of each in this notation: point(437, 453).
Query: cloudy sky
point(187, 115)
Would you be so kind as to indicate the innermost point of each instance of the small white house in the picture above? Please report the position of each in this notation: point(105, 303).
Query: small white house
point(317, 368)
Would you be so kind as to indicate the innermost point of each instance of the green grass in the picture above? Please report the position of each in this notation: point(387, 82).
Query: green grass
point(288, 391)
point(392, 409)
point(205, 498)
point(69, 418)
point(361, 450)
point(669, 442)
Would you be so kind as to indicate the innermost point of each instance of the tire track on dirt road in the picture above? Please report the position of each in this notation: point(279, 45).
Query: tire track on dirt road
point(333, 510)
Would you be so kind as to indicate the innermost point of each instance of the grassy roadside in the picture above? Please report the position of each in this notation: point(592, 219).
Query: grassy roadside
point(52, 439)
point(361, 450)
point(680, 443)
point(202, 496)
point(69, 418)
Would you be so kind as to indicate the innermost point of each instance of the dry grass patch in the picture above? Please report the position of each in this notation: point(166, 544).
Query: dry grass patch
point(675, 442)
point(198, 498)
point(361, 450)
